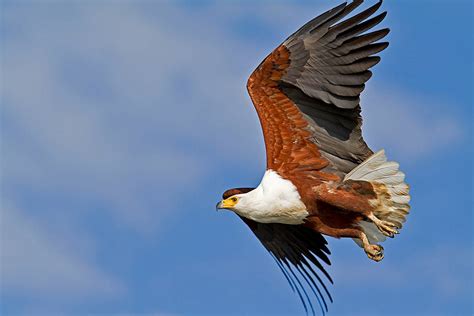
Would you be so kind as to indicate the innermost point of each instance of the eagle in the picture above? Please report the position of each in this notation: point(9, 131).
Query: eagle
point(321, 177)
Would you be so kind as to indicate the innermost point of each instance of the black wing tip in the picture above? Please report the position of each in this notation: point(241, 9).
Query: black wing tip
point(340, 6)
point(297, 286)
point(373, 60)
point(336, 10)
point(384, 31)
point(313, 287)
point(373, 8)
point(383, 45)
point(378, 4)
point(356, 3)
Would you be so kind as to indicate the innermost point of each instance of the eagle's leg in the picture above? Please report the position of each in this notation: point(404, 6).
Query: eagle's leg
point(374, 252)
point(386, 228)
point(355, 196)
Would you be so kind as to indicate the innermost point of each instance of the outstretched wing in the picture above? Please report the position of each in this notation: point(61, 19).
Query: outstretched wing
point(297, 250)
point(306, 92)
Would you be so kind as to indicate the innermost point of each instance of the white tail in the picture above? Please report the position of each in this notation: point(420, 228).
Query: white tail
point(392, 192)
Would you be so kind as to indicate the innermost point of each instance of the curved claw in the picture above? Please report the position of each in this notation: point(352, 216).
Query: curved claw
point(374, 252)
point(387, 228)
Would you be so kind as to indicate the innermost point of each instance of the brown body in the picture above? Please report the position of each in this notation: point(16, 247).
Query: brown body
point(336, 210)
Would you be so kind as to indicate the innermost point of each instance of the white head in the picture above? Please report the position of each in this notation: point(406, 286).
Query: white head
point(235, 199)
point(275, 200)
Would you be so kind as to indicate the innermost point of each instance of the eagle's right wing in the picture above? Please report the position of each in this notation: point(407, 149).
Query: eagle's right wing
point(306, 92)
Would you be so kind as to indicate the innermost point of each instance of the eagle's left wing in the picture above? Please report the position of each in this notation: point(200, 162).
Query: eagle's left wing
point(297, 250)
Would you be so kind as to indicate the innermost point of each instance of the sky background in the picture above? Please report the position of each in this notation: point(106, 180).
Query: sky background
point(123, 122)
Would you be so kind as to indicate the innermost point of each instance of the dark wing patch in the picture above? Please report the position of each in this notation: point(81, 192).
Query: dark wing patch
point(337, 132)
point(297, 250)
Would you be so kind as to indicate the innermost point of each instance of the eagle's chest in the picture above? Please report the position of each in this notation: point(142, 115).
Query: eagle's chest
point(275, 200)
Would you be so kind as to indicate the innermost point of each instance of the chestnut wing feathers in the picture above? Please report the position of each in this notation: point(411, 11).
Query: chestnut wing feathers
point(321, 70)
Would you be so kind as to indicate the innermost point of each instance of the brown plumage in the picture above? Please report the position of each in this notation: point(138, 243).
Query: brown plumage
point(321, 177)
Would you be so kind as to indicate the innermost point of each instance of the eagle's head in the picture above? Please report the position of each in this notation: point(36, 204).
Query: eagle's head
point(231, 198)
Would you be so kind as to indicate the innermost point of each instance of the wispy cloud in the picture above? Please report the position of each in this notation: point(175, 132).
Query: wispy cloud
point(121, 109)
point(37, 262)
point(445, 269)
point(408, 124)
point(121, 125)
point(109, 110)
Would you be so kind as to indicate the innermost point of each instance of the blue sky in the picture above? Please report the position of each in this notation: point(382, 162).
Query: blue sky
point(123, 122)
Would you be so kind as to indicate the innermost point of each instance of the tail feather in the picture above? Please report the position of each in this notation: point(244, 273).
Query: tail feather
point(392, 192)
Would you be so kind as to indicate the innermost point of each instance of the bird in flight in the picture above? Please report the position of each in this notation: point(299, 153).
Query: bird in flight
point(321, 177)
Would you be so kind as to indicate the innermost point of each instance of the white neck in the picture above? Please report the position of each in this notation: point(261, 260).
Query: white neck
point(275, 200)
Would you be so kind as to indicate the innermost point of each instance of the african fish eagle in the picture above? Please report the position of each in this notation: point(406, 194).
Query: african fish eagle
point(321, 177)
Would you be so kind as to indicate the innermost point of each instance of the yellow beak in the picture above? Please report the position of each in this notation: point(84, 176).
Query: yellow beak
point(225, 204)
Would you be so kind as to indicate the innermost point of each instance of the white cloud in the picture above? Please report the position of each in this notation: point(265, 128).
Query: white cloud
point(412, 126)
point(445, 269)
point(105, 106)
point(65, 135)
point(128, 107)
point(37, 262)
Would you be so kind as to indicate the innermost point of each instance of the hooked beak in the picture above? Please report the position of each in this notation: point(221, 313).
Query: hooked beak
point(225, 204)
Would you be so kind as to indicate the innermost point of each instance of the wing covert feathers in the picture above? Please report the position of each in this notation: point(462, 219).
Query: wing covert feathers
point(287, 139)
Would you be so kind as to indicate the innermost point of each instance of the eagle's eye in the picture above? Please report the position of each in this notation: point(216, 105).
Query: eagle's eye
point(234, 199)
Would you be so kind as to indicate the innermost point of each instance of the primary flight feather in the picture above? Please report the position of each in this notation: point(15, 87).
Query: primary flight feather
point(321, 176)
